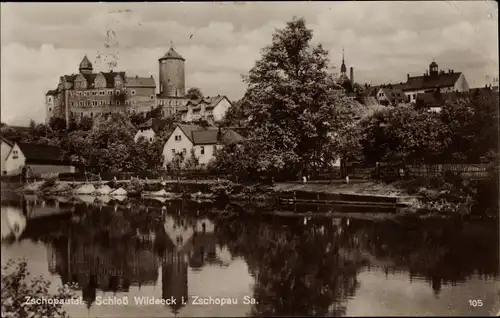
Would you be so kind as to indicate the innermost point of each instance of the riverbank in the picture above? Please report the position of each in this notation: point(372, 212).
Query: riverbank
point(415, 198)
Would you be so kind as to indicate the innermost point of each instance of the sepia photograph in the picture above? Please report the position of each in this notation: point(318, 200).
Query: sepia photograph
point(250, 159)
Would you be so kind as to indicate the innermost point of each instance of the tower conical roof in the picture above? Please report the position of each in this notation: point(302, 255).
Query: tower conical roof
point(85, 64)
point(172, 54)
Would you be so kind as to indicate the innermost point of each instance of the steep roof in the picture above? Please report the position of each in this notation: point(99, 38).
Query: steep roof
point(171, 54)
point(8, 142)
point(36, 153)
point(432, 81)
point(140, 82)
point(209, 102)
point(85, 64)
point(394, 94)
point(155, 124)
point(210, 135)
point(51, 92)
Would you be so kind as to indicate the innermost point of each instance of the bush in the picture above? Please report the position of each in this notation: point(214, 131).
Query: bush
point(49, 183)
point(223, 189)
point(15, 291)
point(135, 186)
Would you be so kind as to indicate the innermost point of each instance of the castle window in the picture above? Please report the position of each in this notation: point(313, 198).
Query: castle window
point(50, 109)
point(81, 103)
point(91, 115)
point(117, 102)
point(117, 92)
point(133, 92)
point(152, 97)
point(110, 92)
point(94, 93)
point(127, 102)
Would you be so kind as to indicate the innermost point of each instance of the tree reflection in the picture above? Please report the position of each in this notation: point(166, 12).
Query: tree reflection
point(299, 270)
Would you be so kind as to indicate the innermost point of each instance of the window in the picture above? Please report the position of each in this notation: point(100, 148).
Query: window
point(215, 148)
point(173, 152)
point(150, 139)
point(102, 93)
point(110, 92)
point(202, 150)
point(178, 138)
point(14, 154)
point(50, 109)
point(94, 93)
point(127, 102)
point(184, 151)
point(133, 92)
point(152, 97)
point(81, 103)
point(117, 102)
point(92, 115)
point(117, 92)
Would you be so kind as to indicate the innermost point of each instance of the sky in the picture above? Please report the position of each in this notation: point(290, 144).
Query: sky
point(383, 41)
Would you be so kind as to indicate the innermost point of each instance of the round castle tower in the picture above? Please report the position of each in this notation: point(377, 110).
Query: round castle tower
point(172, 75)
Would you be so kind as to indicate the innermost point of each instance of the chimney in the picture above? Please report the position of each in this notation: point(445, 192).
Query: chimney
point(408, 77)
point(352, 74)
point(219, 134)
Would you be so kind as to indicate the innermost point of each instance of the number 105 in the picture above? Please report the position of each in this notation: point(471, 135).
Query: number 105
point(475, 303)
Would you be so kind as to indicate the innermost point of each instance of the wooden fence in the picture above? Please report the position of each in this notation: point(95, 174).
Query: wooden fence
point(468, 171)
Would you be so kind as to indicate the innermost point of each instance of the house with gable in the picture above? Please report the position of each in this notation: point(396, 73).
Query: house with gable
point(5, 150)
point(42, 159)
point(434, 80)
point(390, 96)
point(204, 141)
point(208, 108)
point(150, 129)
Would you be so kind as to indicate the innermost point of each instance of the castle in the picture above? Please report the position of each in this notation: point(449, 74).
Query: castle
point(89, 94)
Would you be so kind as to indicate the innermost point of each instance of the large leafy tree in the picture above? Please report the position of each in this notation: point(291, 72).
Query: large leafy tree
point(293, 103)
point(403, 135)
point(194, 93)
point(472, 128)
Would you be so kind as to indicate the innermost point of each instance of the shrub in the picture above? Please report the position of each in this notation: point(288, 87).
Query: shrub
point(223, 189)
point(15, 291)
point(135, 186)
point(49, 183)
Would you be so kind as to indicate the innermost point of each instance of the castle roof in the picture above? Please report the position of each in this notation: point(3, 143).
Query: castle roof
point(85, 64)
point(51, 92)
point(140, 81)
point(172, 54)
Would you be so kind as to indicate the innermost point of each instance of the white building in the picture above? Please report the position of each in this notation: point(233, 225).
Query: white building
point(5, 150)
point(432, 80)
point(390, 96)
point(209, 108)
point(149, 129)
point(204, 141)
point(42, 160)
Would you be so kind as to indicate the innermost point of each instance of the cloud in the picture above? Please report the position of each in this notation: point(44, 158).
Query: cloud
point(383, 41)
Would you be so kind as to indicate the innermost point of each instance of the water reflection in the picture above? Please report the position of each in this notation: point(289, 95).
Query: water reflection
point(320, 267)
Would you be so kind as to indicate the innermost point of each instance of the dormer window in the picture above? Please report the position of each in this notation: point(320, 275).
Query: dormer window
point(178, 138)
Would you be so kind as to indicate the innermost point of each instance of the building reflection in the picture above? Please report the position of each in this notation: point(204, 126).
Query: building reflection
point(189, 242)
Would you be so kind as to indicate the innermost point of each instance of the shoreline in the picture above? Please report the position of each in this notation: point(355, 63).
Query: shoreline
point(213, 190)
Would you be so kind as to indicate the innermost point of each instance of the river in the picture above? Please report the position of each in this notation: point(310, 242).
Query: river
point(128, 251)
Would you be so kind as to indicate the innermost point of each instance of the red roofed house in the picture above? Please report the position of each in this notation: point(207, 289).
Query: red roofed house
point(204, 141)
point(209, 108)
point(42, 159)
point(434, 80)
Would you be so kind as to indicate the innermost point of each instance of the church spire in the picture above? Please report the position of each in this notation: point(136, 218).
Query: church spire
point(343, 68)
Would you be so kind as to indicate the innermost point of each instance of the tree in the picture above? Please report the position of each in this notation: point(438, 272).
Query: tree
point(15, 292)
point(403, 135)
point(235, 115)
point(293, 104)
point(194, 93)
point(472, 127)
point(192, 161)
